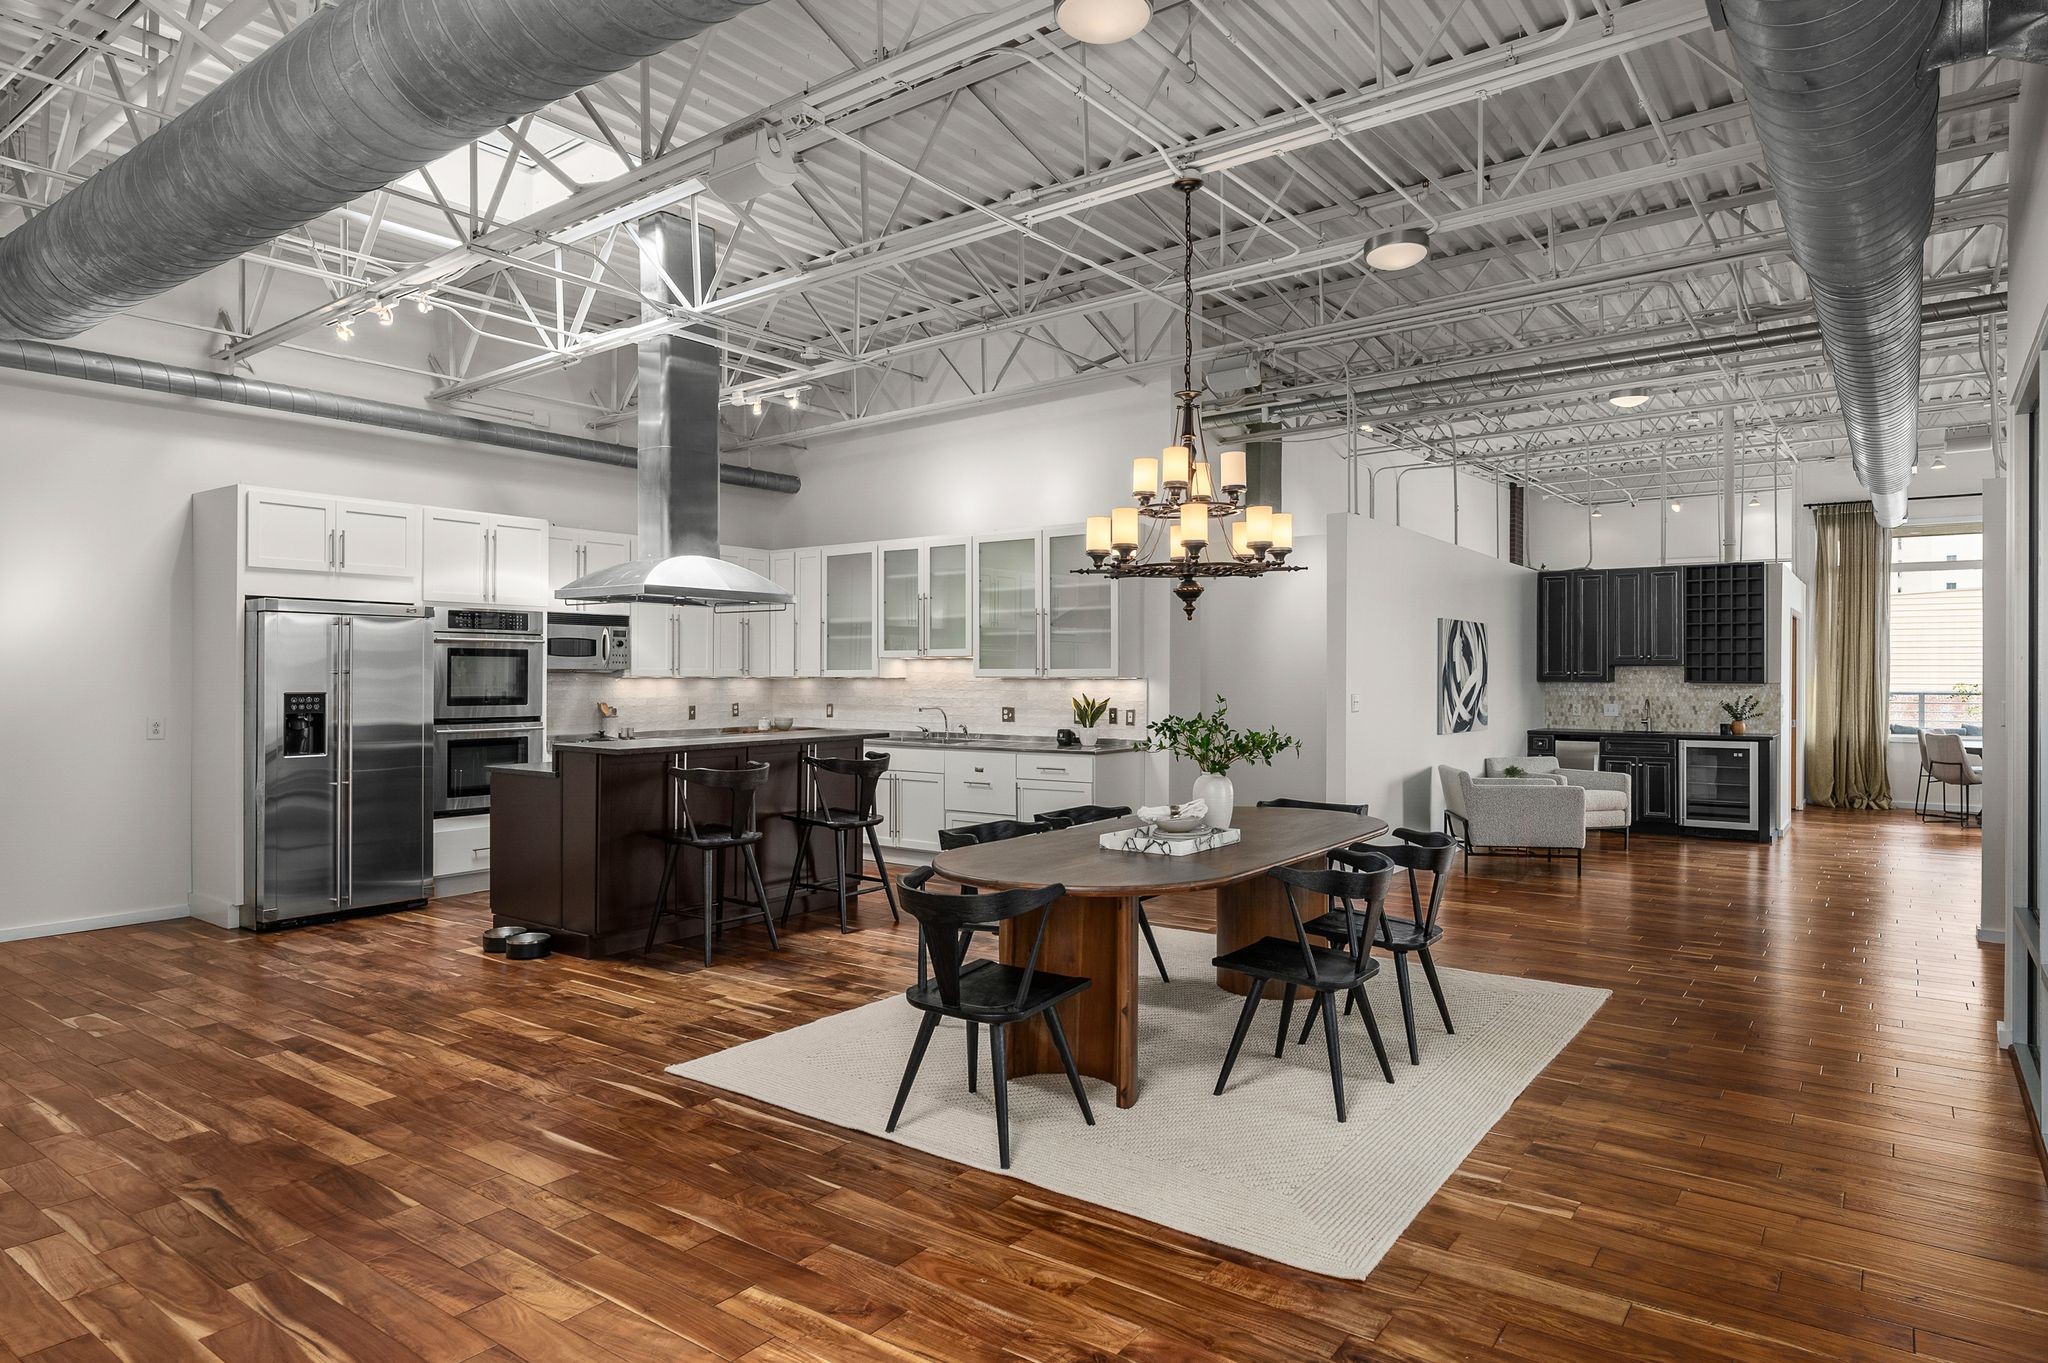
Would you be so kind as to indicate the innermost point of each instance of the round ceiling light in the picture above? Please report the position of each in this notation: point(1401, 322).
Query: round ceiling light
point(1402, 248)
point(1627, 398)
point(1104, 21)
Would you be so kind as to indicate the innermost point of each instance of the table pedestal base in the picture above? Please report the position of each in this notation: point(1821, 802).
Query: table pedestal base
point(1247, 910)
point(1097, 939)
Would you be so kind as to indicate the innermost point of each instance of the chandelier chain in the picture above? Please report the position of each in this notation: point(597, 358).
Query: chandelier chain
point(1187, 278)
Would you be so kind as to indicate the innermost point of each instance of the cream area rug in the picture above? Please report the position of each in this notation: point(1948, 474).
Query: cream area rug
point(1266, 1167)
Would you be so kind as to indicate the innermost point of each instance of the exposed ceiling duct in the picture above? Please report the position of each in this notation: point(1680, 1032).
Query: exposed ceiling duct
point(352, 99)
point(1844, 110)
point(1974, 29)
point(679, 563)
point(150, 376)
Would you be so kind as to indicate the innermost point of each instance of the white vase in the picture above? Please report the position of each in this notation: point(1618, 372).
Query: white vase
point(1219, 795)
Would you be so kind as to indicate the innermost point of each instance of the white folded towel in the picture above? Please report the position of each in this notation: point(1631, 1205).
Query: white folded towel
point(1193, 809)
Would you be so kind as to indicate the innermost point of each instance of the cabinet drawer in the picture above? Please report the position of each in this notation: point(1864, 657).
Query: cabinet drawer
point(931, 761)
point(1036, 797)
point(462, 845)
point(1665, 748)
point(1045, 766)
point(983, 782)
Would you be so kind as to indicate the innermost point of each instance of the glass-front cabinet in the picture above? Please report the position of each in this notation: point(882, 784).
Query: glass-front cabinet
point(1034, 617)
point(850, 611)
point(924, 599)
point(1006, 607)
point(1080, 612)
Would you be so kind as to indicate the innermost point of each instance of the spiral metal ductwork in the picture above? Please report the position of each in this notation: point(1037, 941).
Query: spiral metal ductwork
point(1974, 29)
point(65, 362)
point(1845, 113)
point(354, 98)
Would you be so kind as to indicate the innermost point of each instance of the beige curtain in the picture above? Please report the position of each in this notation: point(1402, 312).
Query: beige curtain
point(1846, 743)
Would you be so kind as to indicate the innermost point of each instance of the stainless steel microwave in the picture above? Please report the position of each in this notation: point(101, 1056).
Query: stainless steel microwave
point(588, 643)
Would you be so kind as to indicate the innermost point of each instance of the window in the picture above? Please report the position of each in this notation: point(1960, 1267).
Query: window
point(1937, 629)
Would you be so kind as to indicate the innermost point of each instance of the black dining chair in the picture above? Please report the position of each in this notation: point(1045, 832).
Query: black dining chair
point(1086, 814)
point(1416, 852)
point(737, 833)
point(1323, 971)
point(995, 830)
point(844, 822)
point(1360, 810)
point(984, 992)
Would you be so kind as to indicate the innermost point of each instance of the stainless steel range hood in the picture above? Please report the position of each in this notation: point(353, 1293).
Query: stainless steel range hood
point(679, 564)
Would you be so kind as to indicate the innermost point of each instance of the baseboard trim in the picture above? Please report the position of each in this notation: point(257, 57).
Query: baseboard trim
point(126, 918)
point(1991, 937)
point(218, 912)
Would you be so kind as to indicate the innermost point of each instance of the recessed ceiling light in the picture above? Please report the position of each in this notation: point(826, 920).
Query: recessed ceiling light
point(1627, 398)
point(1401, 248)
point(1104, 21)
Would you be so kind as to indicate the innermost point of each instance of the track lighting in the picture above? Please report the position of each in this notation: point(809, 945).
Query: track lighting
point(343, 330)
point(1401, 248)
point(1675, 507)
point(382, 313)
point(794, 397)
point(757, 406)
point(423, 301)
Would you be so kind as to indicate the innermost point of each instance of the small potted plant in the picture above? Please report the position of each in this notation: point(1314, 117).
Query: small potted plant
point(1740, 712)
point(1208, 741)
point(1088, 713)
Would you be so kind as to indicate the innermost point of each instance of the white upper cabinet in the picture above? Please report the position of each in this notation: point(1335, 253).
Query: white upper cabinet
point(1035, 617)
point(781, 626)
point(924, 611)
point(850, 610)
point(474, 558)
point(948, 599)
point(807, 573)
point(1080, 612)
point(332, 547)
point(579, 553)
point(902, 599)
point(1006, 608)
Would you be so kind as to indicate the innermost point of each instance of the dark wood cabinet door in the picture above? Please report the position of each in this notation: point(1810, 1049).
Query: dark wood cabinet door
point(1656, 789)
point(1626, 642)
point(1554, 627)
point(1589, 661)
point(1663, 616)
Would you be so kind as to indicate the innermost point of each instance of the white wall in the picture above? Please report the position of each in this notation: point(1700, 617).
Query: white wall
point(1389, 586)
point(1564, 535)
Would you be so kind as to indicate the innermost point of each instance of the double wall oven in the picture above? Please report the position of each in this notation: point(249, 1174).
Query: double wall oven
point(490, 682)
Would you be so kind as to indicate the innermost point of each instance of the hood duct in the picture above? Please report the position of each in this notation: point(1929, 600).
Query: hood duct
point(352, 99)
point(151, 376)
point(679, 563)
point(1845, 113)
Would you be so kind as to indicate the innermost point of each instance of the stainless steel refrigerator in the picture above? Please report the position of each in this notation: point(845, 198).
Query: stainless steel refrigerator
point(340, 750)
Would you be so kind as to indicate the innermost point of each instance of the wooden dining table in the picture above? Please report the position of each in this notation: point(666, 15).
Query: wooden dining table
point(1092, 930)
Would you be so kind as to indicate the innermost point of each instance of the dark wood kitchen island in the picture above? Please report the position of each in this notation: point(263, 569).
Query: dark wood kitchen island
point(572, 845)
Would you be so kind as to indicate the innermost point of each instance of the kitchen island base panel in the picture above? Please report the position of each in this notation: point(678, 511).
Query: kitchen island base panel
point(1096, 939)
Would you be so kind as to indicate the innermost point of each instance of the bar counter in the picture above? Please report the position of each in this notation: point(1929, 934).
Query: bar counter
point(573, 849)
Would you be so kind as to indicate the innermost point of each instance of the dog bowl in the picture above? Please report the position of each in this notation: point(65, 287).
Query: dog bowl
point(527, 946)
point(495, 938)
point(1178, 822)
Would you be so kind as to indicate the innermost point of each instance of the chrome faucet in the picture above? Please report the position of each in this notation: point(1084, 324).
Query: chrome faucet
point(944, 725)
point(1646, 714)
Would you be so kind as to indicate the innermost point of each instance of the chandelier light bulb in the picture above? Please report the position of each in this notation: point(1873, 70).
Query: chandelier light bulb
point(1283, 532)
point(1144, 477)
point(1098, 535)
point(1240, 542)
point(1194, 524)
point(1103, 21)
point(1123, 528)
point(1173, 463)
point(1259, 527)
point(1233, 470)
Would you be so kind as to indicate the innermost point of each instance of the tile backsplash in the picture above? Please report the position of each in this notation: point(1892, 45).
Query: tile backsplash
point(1040, 705)
point(1675, 704)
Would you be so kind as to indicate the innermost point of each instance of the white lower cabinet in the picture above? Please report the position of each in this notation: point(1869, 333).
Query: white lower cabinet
point(1037, 797)
point(462, 845)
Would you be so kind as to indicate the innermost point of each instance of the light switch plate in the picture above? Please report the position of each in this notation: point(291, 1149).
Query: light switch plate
point(1009, 714)
point(155, 731)
point(828, 709)
point(1130, 717)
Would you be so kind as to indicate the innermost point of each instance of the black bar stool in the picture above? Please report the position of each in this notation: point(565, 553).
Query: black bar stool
point(1084, 814)
point(845, 823)
point(714, 840)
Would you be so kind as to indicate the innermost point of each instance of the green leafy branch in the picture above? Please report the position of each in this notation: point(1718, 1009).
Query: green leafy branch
point(1207, 740)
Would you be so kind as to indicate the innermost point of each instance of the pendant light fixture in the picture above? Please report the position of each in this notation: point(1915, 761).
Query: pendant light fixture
point(1189, 498)
point(1402, 248)
point(1103, 21)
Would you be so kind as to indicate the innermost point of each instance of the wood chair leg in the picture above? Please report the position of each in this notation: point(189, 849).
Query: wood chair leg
point(973, 1057)
point(1372, 1029)
point(761, 893)
point(999, 1057)
point(1244, 1024)
point(1151, 942)
point(839, 873)
point(1407, 1004)
point(917, 1049)
point(1059, 1043)
point(1436, 987)
point(796, 872)
point(1336, 1059)
point(882, 869)
point(668, 870)
point(1286, 1016)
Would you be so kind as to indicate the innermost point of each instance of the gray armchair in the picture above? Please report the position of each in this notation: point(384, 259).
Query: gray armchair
point(1610, 795)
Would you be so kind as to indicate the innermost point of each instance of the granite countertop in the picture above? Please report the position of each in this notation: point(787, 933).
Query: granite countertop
point(1588, 731)
point(689, 739)
point(1003, 743)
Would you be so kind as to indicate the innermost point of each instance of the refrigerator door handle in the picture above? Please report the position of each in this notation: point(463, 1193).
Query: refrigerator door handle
point(337, 724)
point(346, 889)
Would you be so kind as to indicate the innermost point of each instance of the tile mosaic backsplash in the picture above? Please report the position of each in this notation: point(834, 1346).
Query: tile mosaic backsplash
point(1040, 705)
point(1674, 704)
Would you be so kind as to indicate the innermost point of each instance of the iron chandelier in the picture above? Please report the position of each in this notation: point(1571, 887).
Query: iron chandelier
point(1184, 494)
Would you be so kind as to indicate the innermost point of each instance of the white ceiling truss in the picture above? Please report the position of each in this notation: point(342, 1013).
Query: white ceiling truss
point(983, 213)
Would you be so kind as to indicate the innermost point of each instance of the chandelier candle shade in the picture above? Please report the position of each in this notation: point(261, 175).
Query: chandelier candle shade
point(1184, 490)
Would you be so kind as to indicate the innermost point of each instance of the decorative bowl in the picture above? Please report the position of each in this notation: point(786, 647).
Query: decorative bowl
point(782, 724)
point(1177, 822)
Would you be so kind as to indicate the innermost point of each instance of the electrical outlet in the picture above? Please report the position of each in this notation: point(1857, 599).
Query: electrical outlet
point(828, 709)
point(1354, 702)
point(1610, 709)
point(1009, 714)
point(155, 731)
point(1130, 717)
point(735, 709)
point(693, 712)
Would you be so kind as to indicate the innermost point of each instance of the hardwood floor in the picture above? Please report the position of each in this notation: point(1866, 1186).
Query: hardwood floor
point(1787, 1136)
